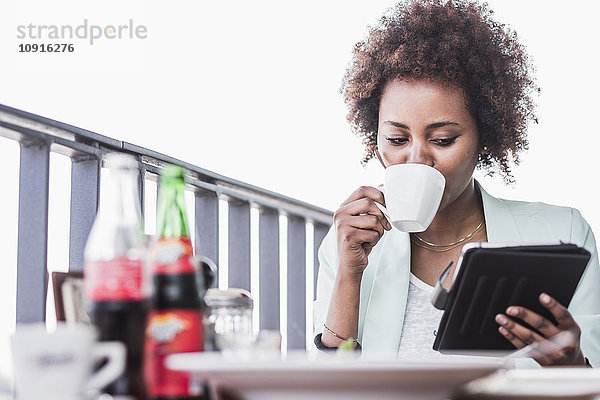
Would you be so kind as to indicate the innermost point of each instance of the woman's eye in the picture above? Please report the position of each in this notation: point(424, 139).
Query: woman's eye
point(444, 141)
point(397, 141)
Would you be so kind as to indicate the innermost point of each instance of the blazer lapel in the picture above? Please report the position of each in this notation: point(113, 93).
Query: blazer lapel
point(499, 221)
point(383, 308)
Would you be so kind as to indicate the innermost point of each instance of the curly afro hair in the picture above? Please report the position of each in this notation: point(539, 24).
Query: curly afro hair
point(453, 42)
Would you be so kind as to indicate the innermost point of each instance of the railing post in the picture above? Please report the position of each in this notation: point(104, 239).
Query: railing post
point(296, 283)
point(85, 180)
point(239, 244)
point(33, 233)
point(268, 239)
point(207, 227)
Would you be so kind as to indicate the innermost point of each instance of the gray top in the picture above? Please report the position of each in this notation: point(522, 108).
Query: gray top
point(421, 319)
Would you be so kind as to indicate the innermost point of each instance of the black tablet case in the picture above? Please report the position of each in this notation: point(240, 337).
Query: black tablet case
point(491, 279)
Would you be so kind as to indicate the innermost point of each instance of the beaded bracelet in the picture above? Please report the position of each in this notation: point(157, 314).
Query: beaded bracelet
point(320, 346)
point(351, 339)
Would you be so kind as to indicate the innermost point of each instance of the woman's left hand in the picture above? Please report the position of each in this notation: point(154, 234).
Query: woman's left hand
point(521, 336)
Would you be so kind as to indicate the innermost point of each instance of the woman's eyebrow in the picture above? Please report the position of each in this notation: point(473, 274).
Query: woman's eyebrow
point(442, 124)
point(396, 124)
point(430, 126)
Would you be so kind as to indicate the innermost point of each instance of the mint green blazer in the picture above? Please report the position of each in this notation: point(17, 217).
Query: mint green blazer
point(384, 286)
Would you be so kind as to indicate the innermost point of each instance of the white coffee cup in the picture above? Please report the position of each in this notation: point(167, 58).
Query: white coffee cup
point(413, 193)
point(60, 365)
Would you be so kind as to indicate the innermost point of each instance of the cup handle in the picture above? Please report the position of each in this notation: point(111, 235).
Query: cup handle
point(115, 353)
point(383, 210)
point(381, 206)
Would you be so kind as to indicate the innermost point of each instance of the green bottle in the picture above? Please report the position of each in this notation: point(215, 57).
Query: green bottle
point(175, 322)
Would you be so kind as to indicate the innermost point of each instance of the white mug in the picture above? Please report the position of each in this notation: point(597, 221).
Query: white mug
point(413, 193)
point(60, 364)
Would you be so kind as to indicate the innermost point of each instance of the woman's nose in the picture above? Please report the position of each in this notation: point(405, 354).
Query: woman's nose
point(418, 154)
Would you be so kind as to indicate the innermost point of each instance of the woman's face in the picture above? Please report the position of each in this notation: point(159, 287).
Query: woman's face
point(427, 123)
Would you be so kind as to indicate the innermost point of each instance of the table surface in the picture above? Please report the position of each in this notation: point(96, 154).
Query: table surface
point(300, 377)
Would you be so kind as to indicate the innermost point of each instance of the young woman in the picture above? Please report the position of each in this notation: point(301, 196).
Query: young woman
point(440, 83)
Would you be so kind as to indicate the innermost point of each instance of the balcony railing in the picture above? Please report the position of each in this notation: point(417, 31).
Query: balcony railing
point(39, 136)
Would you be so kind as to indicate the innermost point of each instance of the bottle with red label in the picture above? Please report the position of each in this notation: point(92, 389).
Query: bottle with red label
point(175, 321)
point(116, 283)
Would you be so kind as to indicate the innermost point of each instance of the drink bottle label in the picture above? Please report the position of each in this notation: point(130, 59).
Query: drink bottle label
point(169, 332)
point(173, 256)
point(114, 280)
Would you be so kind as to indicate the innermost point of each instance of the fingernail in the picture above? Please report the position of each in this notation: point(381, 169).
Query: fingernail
point(501, 319)
point(545, 298)
point(503, 331)
point(512, 311)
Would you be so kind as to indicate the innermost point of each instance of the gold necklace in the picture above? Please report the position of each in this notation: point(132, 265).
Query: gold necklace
point(420, 242)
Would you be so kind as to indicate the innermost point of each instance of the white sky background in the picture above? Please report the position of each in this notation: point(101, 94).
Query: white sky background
point(250, 90)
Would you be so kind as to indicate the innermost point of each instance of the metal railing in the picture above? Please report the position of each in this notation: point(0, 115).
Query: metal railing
point(39, 136)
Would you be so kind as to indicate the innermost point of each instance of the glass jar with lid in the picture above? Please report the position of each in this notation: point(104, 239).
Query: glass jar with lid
point(228, 319)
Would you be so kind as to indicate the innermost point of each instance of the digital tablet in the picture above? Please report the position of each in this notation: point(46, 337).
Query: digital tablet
point(489, 278)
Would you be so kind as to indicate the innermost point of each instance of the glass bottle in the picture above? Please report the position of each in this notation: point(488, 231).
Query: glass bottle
point(116, 284)
point(175, 322)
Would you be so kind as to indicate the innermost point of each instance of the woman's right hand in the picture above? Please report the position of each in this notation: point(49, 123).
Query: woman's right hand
point(359, 225)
